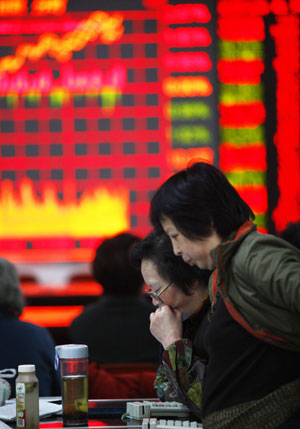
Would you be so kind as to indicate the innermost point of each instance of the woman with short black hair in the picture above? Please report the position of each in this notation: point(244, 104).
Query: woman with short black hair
point(252, 377)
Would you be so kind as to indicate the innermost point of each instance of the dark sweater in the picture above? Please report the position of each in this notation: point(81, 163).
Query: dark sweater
point(241, 367)
point(26, 343)
point(116, 330)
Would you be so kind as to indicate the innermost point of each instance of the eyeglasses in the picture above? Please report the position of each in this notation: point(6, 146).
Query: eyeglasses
point(156, 296)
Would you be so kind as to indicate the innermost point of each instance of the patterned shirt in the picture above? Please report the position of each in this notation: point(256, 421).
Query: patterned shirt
point(180, 375)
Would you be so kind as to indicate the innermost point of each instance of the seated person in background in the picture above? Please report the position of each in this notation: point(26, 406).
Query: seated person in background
point(116, 327)
point(23, 342)
point(181, 290)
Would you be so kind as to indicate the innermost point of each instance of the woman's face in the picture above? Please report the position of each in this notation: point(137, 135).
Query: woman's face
point(173, 296)
point(194, 252)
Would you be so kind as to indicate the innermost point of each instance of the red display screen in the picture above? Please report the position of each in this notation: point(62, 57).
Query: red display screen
point(100, 103)
point(97, 108)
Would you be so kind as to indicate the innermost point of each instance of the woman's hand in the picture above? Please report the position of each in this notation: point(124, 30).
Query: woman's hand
point(166, 325)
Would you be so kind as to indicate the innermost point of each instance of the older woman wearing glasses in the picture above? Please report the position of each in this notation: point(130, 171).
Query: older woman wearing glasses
point(180, 293)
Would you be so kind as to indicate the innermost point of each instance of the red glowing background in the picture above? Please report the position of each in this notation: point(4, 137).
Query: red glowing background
point(97, 109)
point(99, 106)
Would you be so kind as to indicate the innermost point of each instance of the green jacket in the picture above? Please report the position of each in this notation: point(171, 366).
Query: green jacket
point(258, 277)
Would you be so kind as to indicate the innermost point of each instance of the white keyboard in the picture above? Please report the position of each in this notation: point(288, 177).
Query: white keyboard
point(140, 410)
point(154, 423)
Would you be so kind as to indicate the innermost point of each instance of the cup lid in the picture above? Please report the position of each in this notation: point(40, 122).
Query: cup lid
point(72, 351)
point(26, 368)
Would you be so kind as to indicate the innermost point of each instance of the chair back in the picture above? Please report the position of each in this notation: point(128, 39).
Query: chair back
point(122, 381)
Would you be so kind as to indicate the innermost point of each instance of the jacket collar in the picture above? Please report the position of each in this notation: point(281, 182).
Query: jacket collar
point(223, 253)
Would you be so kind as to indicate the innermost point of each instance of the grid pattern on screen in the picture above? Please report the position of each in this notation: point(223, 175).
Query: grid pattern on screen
point(83, 140)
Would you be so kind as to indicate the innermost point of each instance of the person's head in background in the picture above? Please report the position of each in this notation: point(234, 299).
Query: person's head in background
point(178, 285)
point(292, 234)
point(113, 269)
point(11, 297)
point(198, 209)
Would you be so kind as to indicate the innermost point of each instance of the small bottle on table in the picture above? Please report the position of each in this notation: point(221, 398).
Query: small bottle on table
point(27, 398)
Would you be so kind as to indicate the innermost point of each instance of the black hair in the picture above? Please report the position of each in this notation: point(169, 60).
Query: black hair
point(113, 269)
point(292, 234)
point(157, 248)
point(198, 199)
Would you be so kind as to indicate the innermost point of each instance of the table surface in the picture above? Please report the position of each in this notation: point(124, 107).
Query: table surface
point(102, 413)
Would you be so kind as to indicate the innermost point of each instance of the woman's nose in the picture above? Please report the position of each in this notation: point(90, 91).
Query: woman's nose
point(176, 249)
